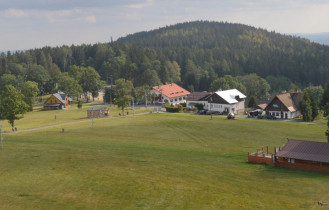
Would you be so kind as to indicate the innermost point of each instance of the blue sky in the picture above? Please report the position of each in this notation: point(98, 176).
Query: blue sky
point(26, 24)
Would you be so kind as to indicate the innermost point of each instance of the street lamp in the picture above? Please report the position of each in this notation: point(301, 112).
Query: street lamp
point(210, 107)
point(111, 90)
point(1, 138)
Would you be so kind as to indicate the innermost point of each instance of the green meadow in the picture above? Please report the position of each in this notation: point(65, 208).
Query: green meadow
point(154, 161)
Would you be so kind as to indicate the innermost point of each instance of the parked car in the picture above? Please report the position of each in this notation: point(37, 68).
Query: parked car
point(255, 113)
point(270, 117)
point(202, 112)
point(230, 116)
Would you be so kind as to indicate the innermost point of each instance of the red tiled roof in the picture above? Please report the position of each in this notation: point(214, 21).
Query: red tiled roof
point(305, 150)
point(171, 90)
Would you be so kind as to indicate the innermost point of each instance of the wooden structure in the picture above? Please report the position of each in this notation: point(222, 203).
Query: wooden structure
point(285, 105)
point(57, 101)
point(96, 112)
point(296, 154)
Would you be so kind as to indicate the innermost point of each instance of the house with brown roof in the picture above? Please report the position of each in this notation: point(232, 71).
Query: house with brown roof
point(296, 154)
point(285, 105)
point(170, 93)
point(57, 101)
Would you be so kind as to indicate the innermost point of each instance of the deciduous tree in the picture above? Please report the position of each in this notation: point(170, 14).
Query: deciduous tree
point(123, 93)
point(12, 105)
point(30, 90)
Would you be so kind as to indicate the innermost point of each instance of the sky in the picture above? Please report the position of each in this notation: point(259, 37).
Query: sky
point(28, 24)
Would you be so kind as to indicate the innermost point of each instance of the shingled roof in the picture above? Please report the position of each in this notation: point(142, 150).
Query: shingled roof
point(290, 100)
point(171, 90)
point(196, 96)
point(305, 150)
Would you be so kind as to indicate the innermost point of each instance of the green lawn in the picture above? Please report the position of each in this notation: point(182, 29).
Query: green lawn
point(156, 161)
point(42, 118)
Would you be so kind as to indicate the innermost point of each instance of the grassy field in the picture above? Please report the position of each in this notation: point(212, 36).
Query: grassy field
point(156, 161)
point(42, 118)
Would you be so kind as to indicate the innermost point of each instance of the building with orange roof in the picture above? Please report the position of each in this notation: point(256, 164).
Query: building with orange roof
point(170, 93)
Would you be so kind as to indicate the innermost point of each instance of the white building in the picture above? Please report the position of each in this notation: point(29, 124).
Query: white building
point(229, 101)
point(170, 93)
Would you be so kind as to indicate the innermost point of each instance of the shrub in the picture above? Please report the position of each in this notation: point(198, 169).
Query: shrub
point(79, 104)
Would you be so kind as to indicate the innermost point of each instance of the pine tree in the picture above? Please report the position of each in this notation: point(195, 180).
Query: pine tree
point(314, 106)
point(306, 108)
point(327, 131)
point(325, 96)
point(252, 102)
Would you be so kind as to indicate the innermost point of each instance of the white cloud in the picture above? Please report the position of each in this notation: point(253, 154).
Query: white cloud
point(15, 13)
point(91, 19)
point(146, 3)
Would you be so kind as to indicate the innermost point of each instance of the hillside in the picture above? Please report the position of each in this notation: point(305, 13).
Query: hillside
point(192, 54)
point(237, 49)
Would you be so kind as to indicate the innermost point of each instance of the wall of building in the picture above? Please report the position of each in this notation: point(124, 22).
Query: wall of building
point(260, 159)
point(303, 165)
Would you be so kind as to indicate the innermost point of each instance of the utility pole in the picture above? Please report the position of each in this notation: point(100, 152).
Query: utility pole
point(210, 108)
point(1, 138)
point(133, 107)
point(111, 90)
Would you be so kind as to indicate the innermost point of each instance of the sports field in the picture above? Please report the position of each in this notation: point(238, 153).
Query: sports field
point(156, 161)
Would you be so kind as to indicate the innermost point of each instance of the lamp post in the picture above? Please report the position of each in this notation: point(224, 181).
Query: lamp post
point(1, 136)
point(133, 107)
point(111, 90)
point(210, 108)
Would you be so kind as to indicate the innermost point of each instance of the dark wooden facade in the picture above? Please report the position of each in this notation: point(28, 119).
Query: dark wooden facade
point(297, 155)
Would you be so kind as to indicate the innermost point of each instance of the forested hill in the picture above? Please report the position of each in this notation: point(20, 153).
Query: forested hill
point(196, 55)
point(236, 49)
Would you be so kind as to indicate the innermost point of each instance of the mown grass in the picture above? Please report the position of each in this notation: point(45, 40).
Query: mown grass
point(42, 118)
point(156, 161)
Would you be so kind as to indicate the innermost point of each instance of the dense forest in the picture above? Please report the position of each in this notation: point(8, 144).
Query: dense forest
point(193, 54)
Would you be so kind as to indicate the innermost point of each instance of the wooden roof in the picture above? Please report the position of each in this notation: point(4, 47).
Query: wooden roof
point(289, 100)
point(305, 150)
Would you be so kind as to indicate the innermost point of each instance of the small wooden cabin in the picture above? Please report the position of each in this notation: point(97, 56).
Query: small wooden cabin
point(296, 154)
point(96, 112)
point(57, 101)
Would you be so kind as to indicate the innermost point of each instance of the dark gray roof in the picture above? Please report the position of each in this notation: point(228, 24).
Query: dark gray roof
point(305, 150)
point(196, 96)
point(60, 97)
point(97, 108)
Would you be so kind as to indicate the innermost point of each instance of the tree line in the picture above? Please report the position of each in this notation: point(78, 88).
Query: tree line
point(193, 55)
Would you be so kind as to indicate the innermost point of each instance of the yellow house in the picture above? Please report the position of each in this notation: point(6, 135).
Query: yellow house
point(57, 101)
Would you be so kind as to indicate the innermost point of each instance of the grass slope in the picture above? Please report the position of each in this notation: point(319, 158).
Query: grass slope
point(156, 161)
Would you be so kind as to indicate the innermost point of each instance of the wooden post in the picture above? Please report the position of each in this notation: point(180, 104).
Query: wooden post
point(267, 149)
